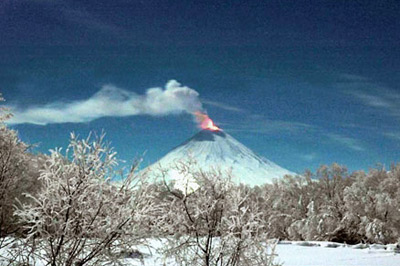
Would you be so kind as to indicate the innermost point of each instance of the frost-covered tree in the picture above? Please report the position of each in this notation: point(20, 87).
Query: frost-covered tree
point(4, 111)
point(308, 207)
point(80, 217)
point(287, 203)
point(373, 204)
point(18, 174)
point(324, 216)
point(216, 224)
point(334, 205)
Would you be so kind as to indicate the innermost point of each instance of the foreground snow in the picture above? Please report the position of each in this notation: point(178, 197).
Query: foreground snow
point(300, 253)
point(296, 253)
point(328, 253)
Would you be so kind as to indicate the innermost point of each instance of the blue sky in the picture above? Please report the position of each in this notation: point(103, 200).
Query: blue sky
point(303, 83)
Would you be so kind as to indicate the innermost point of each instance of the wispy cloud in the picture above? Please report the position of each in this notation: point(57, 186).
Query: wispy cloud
point(113, 101)
point(262, 125)
point(78, 15)
point(353, 78)
point(86, 19)
point(309, 157)
point(223, 106)
point(371, 93)
point(350, 143)
point(392, 135)
point(380, 101)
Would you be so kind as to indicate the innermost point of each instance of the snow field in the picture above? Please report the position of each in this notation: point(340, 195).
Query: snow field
point(292, 253)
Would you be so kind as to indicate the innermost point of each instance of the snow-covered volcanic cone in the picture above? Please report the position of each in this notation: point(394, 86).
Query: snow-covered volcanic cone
point(215, 149)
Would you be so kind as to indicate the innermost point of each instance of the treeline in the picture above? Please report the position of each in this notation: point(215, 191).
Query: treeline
point(334, 205)
point(330, 205)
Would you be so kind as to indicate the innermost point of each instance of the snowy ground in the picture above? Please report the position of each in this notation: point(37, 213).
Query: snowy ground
point(300, 253)
point(328, 253)
point(297, 253)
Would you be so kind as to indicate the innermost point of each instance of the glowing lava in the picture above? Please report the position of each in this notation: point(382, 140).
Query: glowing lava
point(206, 122)
point(209, 124)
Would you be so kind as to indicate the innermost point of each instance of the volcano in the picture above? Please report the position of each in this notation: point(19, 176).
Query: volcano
point(215, 149)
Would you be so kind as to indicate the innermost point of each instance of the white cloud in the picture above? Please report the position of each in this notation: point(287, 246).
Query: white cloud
point(112, 101)
point(350, 143)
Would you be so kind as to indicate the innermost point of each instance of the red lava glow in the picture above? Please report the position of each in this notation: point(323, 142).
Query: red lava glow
point(206, 122)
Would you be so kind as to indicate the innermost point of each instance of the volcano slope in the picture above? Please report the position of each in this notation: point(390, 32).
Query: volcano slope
point(217, 150)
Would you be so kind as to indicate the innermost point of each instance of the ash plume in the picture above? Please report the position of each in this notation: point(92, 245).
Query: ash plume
point(112, 101)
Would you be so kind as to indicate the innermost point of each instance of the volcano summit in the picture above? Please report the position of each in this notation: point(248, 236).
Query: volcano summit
point(215, 149)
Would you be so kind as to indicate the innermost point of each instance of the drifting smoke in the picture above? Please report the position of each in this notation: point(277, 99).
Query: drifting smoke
point(112, 101)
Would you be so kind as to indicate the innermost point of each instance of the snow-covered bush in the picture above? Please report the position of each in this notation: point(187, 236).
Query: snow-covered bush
point(286, 204)
point(18, 174)
point(80, 217)
point(214, 225)
point(373, 201)
point(308, 207)
point(327, 207)
point(13, 160)
point(334, 206)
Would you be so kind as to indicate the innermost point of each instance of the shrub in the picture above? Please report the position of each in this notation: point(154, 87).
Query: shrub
point(79, 217)
point(19, 173)
point(215, 224)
